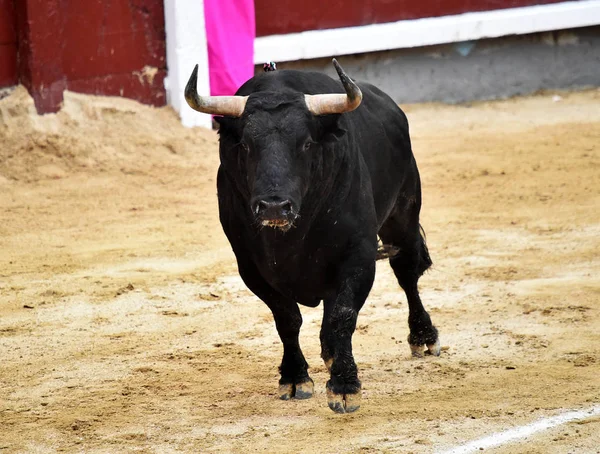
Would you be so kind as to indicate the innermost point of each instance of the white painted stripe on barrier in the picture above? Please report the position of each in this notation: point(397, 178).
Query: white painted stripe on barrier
point(426, 32)
point(517, 433)
point(186, 46)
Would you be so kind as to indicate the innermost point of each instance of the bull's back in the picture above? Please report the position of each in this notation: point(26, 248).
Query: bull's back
point(381, 130)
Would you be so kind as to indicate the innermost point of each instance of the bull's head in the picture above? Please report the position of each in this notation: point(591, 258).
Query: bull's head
point(272, 137)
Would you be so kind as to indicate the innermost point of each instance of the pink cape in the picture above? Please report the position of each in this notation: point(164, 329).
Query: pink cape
point(230, 32)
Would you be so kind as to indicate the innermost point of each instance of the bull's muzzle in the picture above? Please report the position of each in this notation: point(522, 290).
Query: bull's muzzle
point(275, 213)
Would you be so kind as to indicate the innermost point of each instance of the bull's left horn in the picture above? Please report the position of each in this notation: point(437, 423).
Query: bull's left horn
point(336, 103)
point(230, 106)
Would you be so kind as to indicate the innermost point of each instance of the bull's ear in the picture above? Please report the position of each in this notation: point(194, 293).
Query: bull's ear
point(333, 134)
point(227, 126)
point(221, 121)
point(331, 129)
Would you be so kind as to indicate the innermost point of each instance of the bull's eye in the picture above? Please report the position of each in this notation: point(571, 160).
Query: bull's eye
point(307, 145)
point(245, 147)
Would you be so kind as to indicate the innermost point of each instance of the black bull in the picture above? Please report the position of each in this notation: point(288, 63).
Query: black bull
point(305, 186)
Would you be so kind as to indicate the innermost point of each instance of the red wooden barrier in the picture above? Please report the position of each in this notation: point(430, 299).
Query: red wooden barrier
point(8, 44)
point(275, 17)
point(104, 47)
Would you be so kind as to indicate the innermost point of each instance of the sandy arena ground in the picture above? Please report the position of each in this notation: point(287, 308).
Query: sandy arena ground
point(125, 328)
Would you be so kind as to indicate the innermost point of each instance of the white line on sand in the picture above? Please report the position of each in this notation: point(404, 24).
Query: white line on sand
point(507, 436)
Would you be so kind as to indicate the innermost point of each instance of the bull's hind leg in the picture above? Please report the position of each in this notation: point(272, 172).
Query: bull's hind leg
point(409, 261)
point(295, 381)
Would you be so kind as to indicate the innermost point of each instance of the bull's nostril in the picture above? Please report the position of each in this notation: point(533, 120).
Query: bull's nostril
point(260, 206)
point(286, 207)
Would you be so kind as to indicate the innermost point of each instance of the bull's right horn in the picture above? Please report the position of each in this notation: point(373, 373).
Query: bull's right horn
point(229, 106)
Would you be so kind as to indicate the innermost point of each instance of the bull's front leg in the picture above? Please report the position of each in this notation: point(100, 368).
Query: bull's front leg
point(339, 323)
point(295, 381)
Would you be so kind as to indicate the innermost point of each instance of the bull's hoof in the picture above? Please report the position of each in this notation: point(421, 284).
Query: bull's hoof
point(418, 351)
point(434, 349)
point(343, 403)
point(286, 391)
point(428, 338)
point(302, 390)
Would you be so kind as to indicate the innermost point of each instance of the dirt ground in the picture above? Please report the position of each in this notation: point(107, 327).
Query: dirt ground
point(125, 328)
